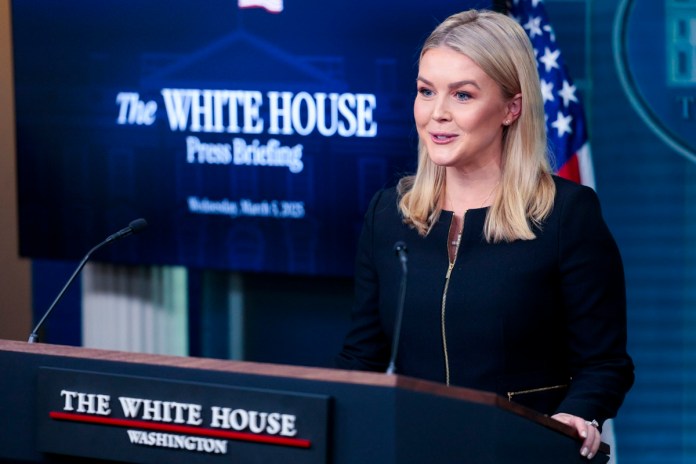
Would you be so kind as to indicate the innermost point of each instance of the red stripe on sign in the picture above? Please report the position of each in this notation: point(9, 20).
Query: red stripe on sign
point(240, 436)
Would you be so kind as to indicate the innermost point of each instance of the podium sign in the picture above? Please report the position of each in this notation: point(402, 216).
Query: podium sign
point(149, 421)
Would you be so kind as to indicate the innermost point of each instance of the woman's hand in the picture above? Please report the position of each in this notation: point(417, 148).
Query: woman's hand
point(586, 429)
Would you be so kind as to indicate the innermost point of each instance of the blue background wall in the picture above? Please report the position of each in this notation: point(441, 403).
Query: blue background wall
point(648, 192)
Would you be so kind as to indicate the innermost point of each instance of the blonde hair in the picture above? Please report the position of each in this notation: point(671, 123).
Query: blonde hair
point(500, 47)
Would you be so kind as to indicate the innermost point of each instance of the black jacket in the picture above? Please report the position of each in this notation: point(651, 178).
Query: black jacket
point(540, 321)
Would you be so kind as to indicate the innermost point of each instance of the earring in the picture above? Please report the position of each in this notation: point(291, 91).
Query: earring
point(506, 122)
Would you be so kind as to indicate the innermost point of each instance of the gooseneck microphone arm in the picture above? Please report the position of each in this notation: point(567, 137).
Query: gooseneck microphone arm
point(400, 249)
point(133, 228)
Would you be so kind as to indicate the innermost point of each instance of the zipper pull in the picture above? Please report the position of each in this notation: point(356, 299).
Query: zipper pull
point(449, 270)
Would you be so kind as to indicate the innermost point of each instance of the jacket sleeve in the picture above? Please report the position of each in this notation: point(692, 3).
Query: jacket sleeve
point(594, 300)
point(366, 347)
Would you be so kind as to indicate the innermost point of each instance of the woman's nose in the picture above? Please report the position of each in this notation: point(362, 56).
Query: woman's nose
point(441, 110)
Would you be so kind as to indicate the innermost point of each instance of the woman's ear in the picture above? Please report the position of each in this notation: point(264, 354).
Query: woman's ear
point(514, 109)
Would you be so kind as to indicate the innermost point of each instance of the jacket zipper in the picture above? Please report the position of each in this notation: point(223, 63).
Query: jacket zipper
point(444, 332)
point(534, 390)
point(444, 302)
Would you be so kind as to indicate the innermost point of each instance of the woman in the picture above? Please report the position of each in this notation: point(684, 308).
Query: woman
point(515, 283)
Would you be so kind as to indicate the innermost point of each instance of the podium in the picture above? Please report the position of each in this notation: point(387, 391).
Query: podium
point(61, 404)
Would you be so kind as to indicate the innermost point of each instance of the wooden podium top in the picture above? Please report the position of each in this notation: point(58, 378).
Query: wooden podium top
point(296, 372)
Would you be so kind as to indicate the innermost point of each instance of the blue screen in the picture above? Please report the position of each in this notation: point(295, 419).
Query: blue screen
point(250, 136)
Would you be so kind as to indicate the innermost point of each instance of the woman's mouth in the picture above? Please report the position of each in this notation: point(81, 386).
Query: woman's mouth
point(441, 138)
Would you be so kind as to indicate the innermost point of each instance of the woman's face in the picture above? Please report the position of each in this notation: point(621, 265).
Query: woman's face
point(459, 110)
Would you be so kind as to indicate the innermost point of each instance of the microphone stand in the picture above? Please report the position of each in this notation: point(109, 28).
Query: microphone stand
point(134, 227)
point(34, 336)
point(400, 248)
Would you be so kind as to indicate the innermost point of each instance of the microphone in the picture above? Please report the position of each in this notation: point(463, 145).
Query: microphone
point(133, 228)
point(400, 249)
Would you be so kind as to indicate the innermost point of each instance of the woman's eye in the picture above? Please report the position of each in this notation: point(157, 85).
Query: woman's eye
point(425, 92)
point(462, 96)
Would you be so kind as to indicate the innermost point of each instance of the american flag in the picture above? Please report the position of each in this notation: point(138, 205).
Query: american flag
point(565, 119)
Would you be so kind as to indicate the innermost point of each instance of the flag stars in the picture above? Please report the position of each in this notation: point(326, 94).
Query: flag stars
point(534, 27)
point(562, 124)
point(550, 59)
point(563, 116)
point(567, 93)
point(548, 29)
point(547, 91)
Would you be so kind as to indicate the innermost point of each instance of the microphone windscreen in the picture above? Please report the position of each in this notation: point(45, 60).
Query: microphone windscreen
point(138, 225)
